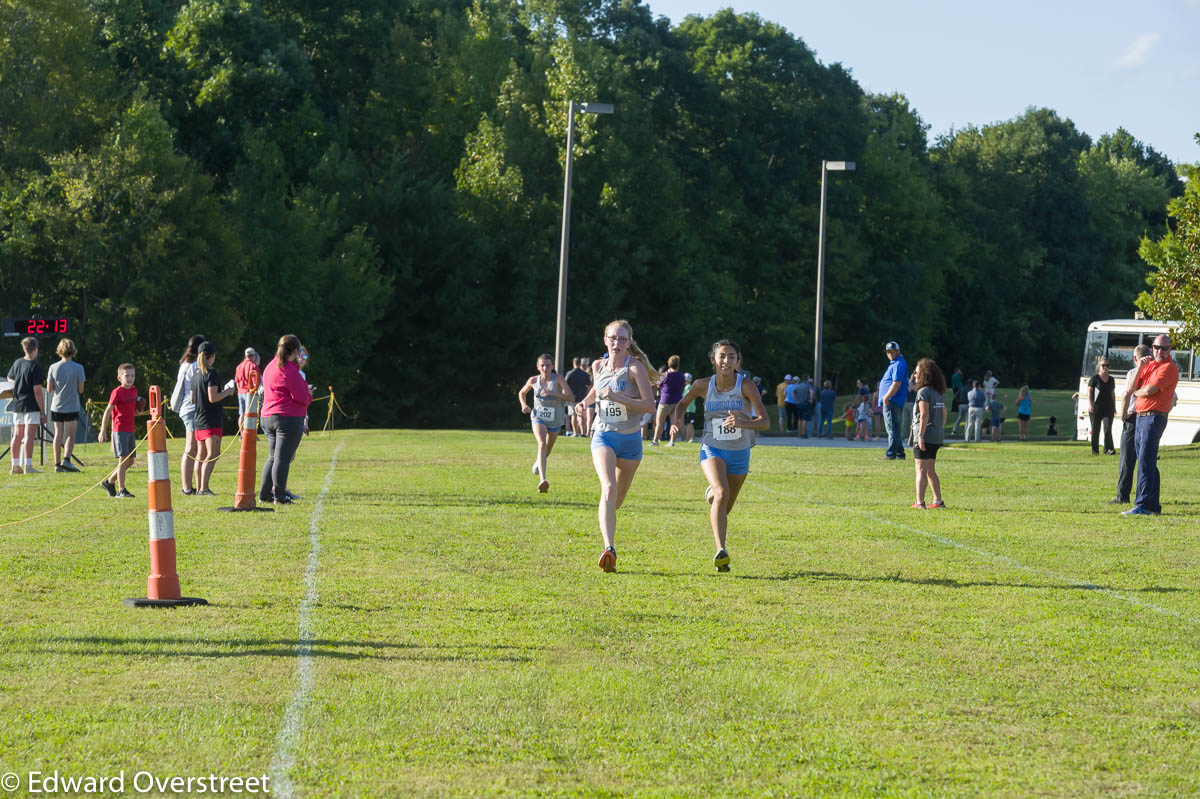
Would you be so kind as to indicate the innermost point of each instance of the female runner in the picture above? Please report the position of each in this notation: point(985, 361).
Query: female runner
point(550, 397)
point(621, 388)
point(729, 432)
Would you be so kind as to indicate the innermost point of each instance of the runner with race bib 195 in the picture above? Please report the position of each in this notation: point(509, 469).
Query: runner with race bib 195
point(733, 412)
point(548, 414)
point(621, 388)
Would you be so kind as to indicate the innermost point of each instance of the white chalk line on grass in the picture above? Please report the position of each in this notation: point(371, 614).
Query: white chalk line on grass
point(996, 558)
point(289, 730)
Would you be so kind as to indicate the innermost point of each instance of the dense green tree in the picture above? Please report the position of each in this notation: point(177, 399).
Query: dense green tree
point(1175, 258)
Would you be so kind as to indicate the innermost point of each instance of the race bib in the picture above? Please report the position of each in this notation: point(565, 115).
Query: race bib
point(613, 412)
point(544, 413)
point(724, 431)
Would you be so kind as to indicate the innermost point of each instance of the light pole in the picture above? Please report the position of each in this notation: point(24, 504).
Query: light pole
point(826, 167)
point(560, 334)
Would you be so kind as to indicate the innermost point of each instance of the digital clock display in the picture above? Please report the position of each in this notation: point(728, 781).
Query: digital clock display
point(54, 326)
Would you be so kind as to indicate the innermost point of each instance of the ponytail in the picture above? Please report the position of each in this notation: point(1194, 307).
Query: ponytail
point(288, 344)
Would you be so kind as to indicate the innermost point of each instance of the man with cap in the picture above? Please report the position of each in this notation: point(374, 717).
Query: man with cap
point(1153, 392)
point(780, 390)
point(242, 377)
point(893, 393)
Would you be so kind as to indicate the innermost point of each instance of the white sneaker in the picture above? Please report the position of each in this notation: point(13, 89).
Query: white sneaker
point(708, 494)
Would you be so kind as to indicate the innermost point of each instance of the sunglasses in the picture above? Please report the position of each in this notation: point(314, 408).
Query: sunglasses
point(1158, 347)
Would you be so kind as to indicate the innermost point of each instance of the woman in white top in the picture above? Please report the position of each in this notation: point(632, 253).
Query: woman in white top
point(182, 404)
point(547, 414)
point(65, 381)
point(621, 388)
point(733, 411)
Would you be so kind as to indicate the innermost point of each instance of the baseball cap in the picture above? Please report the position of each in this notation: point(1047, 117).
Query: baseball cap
point(206, 348)
point(251, 352)
point(687, 376)
point(891, 345)
point(757, 379)
point(787, 377)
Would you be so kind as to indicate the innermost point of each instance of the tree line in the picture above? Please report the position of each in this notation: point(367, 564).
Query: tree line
point(384, 179)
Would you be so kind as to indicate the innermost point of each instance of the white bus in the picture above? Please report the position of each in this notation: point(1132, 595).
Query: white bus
point(1115, 339)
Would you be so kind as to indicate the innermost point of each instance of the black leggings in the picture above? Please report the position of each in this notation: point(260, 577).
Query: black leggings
point(283, 437)
point(1104, 421)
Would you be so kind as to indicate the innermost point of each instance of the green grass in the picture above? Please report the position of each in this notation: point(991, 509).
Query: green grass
point(1029, 641)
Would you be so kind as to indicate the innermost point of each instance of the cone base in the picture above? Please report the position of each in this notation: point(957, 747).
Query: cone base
point(163, 603)
point(258, 508)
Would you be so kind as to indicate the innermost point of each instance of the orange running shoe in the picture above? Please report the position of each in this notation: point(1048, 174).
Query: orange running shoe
point(608, 559)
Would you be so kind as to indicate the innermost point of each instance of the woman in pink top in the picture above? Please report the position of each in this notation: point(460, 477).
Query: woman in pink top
point(285, 403)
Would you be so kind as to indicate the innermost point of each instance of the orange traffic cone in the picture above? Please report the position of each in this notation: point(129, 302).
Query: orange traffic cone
point(247, 492)
point(162, 586)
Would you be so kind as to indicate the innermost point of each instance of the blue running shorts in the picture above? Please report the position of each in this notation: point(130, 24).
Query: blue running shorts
point(737, 461)
point(628, 446)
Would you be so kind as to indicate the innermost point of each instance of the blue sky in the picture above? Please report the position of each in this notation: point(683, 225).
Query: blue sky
point(1102, 64)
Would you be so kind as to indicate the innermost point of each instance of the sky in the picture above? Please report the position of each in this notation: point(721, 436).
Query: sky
point(1101, 64)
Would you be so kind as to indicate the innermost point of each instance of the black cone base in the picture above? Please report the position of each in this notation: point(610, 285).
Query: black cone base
point(256, 508)
point(163, 603)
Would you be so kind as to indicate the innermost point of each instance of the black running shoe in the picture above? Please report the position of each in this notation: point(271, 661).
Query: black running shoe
point(109, 487)
point(206, 493)
point(68, 467)
point(721, 561)
point(189, 491)
point(123, 494)
point(291, 496)
point(60, 469)
point(284, 501)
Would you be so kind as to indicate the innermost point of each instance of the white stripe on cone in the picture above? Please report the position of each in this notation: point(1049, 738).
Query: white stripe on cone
point(158, 466)
point(162, 524)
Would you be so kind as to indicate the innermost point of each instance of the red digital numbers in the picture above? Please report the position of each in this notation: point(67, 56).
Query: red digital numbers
point(43, 327)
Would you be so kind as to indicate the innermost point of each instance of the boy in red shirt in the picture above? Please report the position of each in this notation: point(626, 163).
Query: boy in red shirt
point(122, 405)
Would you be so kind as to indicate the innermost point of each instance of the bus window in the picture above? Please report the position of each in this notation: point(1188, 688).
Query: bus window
point(1183, 359)
point(1097, 342)
point(1120, 352)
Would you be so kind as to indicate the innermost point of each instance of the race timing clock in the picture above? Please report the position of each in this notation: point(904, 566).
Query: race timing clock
point(52, 326)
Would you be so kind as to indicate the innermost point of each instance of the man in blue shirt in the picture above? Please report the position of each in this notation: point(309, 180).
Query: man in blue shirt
point(893, 392)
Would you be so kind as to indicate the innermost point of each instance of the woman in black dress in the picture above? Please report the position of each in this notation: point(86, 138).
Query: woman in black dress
point(1102, 406)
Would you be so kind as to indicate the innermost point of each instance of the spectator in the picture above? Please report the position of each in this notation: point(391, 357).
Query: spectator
point(848, 417)
point(579, 382)
point(122, 407)
point(825, 409)
point(689, 415)
point(1128, 460)
point(669, 393)
point(1052, 432)
point(242, 378)
point(929, 424)
point(1025, 412)
point(995, 408)
point(976, 410)
point(961, 404)
point(183, 404)
point(286, 397)
point(792, 403)
point(207, 395)
point(863, 418)
point(989, 386)
point(1102, 404)
point(909, 406)
point(781, 400)
point(893, 393)
point(28, 406)
point(805, 394)
point(65, 382)
point(1154, 391)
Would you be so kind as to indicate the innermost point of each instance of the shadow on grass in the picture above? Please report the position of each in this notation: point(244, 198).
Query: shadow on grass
point(946, 582)
point(445, 501)
point(280, 647)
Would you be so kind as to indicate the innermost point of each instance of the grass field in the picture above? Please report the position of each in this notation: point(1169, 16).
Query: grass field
point(459, 640)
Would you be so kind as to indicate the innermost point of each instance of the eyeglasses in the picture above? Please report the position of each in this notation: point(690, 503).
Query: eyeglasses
point(617, 338)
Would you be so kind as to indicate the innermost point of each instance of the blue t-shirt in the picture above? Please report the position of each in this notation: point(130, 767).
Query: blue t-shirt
point(791, 393)
point(828, 395)
point(897, 372)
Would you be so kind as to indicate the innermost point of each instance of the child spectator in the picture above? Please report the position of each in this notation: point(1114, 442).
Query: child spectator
point(122, 405)
point(848, 415)
point(1052, 428)
point(862, 418)
point(995, 408)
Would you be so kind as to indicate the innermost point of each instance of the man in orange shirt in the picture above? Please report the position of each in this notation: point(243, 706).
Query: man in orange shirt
point(1153, 391)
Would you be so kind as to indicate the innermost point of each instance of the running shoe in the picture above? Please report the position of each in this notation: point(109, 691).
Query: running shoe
point(534, 470)
point(918, 506)
point(721, 561)
point(109, 487)
point(543, 486)
point(939, 505)
point(291, 496)
point(69, 467)
point(123, 494)
point(207, 492)
point(652, 443)
point(31, 470)
point(708, 495)
point(189, 491)
point(60, 469)
point(608, 559)
point(1137, 511)
point(284, 501)
point(17, 470)
point(1118, 501)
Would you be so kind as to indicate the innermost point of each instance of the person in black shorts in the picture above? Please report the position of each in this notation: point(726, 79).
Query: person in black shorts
point(928, 429)
point(27, 406)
